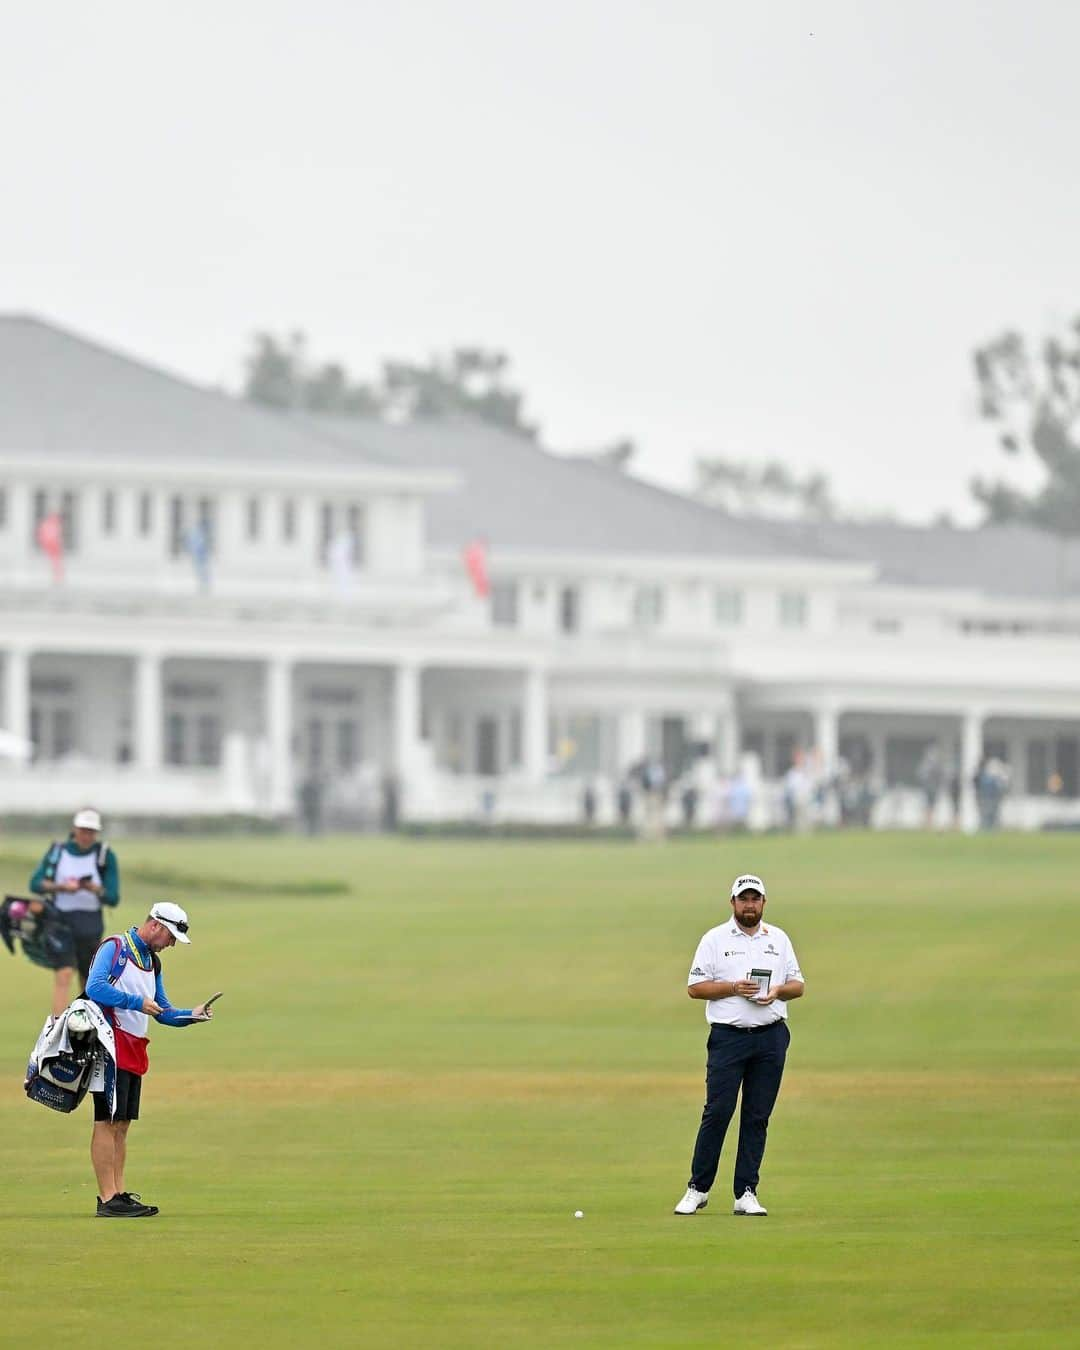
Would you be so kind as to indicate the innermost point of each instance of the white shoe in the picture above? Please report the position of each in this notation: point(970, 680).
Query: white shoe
point(692, 1201)
point(747, 1203)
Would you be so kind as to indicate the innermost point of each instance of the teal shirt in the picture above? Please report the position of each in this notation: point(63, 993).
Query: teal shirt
point(110, 873)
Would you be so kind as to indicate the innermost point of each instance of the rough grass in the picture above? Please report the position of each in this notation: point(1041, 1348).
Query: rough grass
point(411, 1086)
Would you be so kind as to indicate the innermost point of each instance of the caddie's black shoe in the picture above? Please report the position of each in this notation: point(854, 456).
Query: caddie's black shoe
point(121, 1207)
point(132, 1197)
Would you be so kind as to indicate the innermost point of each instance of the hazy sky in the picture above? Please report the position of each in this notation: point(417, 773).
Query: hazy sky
point(757, 230)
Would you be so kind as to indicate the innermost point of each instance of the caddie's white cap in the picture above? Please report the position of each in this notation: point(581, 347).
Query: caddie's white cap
point(173, 917)
point(747, 882)
point(87, 819)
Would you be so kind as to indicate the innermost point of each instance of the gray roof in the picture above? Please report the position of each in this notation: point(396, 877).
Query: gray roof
point(1009, 561)
point(60, 393)
point(518, 496)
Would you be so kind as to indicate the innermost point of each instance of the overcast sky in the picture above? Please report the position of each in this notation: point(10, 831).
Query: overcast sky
point(755, 230)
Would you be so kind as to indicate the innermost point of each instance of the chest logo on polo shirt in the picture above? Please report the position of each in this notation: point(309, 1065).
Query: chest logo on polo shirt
point(770, 950)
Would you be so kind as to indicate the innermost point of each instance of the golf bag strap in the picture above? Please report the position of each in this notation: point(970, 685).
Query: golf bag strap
point(120, 960)
point(52, 859)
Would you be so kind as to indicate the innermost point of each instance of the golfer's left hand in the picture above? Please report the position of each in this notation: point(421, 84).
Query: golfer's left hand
point(768, 998)
point(202, 1013)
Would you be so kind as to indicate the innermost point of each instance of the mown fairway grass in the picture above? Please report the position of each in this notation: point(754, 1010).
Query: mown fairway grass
point(413, 1083)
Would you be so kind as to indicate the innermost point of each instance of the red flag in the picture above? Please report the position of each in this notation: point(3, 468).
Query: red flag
point(474, 556)
point(50, 538)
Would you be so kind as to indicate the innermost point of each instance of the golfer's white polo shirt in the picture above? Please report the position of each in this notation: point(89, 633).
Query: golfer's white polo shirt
point(727, 953)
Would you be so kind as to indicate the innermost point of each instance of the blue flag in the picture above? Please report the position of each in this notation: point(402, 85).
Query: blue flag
point(197, 543)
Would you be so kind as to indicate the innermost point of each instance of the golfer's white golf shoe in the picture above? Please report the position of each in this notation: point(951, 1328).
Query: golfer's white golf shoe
point(747, 1203)
point(692, 1201)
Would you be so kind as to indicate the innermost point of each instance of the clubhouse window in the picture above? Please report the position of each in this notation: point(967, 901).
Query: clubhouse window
point(728, 607)
point(336, 519)
point(184, 514)
point(504, 604)
point(41, 510)
point(63, 504)
point(569, 609)
point(356, 525)
point(193, 738)
point(648, 607)
point(69, 519)
point(792, 609)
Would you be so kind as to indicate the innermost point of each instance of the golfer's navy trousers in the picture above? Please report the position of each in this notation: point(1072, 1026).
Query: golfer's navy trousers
point(754, 1061)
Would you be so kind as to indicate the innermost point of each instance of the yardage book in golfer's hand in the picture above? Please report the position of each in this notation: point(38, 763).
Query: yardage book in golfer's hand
point(762, 978)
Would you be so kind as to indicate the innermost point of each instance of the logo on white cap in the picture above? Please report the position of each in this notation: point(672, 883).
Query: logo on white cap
point(747, 882)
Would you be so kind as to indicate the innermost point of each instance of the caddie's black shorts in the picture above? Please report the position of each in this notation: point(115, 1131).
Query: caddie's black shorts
point(87, 927)
point(128, 1091)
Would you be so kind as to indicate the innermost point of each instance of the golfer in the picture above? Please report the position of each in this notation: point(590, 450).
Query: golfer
point(79, 875)
point(747, 973)
point(125, 980)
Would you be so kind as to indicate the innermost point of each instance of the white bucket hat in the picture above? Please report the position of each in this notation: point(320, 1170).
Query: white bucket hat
point(87, 819)
point(174, 919)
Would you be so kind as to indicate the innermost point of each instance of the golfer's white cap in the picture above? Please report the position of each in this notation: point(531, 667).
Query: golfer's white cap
point(87, 819)
point(173, 917)
point(747, 882)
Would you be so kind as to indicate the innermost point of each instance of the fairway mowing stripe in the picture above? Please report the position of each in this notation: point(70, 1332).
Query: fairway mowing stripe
point(515, 1086)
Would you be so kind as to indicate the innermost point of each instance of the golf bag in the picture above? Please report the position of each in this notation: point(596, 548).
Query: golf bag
point(40, 928)
point(75, 1053)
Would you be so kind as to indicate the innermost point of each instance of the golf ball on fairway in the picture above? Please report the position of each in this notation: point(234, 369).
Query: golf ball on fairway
point(579, 1214)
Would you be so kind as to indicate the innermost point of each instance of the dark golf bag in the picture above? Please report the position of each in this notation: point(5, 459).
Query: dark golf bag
point(61, 1083)
point(45, 936)
point(65, 1060)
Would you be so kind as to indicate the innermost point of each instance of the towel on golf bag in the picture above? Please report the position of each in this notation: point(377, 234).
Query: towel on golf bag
point(65, 1065)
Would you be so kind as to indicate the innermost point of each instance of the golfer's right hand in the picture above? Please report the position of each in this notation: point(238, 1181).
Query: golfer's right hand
point(150, 1006)
point(747, 988)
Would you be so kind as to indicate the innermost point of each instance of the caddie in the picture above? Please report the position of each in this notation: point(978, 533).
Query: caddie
point(125, 981)
point(79, 875)
point(747, 973)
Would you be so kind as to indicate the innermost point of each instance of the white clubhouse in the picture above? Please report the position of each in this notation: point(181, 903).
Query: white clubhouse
point(334, 634)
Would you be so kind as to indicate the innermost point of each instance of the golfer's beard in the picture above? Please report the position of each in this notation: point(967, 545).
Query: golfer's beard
point(748, 919)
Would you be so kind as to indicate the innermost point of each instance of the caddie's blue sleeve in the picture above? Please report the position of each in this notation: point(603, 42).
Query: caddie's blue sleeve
point(171, 1017)
point(98, 987)
point(39, 876)
point(110, 880)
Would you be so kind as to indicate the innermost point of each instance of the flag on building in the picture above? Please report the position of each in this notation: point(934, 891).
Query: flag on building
point(474, 556)
point(50, 539)
point(197, 543)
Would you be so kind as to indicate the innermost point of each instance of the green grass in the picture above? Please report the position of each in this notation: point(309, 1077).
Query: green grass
point(412, 1084)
